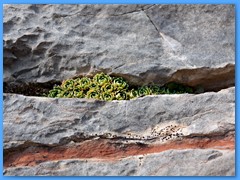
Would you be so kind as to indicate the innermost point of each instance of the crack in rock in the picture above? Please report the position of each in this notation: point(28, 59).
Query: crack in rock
point(55, 15)
point(200, 79)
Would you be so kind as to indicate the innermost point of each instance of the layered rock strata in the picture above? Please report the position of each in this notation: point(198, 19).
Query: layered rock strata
point(41, 130)
point(157, 135)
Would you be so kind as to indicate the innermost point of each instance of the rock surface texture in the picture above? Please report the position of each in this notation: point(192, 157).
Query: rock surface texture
point(143, 43)
point(157, 135)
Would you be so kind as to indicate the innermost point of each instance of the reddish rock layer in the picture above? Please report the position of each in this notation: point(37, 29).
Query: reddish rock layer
point(106, 150)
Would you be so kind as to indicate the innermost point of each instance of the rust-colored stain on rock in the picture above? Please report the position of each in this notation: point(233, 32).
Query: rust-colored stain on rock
point(107, 150)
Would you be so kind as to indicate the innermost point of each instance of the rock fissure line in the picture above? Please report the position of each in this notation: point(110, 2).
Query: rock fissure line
point(107, 150)
point(155, 27)
point(55, 15)
point(213, 135)
point(115, 15)
point(134, 11)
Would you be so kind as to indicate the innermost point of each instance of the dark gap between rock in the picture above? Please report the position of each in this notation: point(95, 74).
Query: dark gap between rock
point(29, 89)
point(39, 89)
point(202, 80)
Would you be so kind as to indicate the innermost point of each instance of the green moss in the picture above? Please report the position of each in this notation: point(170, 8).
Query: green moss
point(105, 87)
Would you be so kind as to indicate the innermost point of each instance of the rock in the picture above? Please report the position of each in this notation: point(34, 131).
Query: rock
point(169, 163)
point(143, 43)
point(156, 135)
point(50, 120)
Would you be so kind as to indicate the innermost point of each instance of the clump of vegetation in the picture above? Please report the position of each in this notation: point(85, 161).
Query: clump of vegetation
point(105, 87)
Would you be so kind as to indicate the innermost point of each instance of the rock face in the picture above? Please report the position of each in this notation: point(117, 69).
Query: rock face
point(143, 43)
point(157, 135)
point(61, 129)
point(50, 120)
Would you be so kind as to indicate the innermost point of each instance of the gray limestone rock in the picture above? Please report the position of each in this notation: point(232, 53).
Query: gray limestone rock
point(50, 120)
point(143, 43)
point(190, 44)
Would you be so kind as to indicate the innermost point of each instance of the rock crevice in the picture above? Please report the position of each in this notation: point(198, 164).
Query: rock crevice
point(201, 79)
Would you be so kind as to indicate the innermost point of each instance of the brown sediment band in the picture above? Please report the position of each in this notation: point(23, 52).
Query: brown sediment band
point(108, 150)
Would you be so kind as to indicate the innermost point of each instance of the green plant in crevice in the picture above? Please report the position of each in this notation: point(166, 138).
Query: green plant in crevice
point(176, 88)
point(93, 94)
point(155, 89)
point(107, 96)
point(94, 85)
point(144, 90)
point(107, 88)
point(55, 92)
point(83, 83)
point(121, 95)
point(68, 84)
point(102, 79)
point(133, 94)
point(120, 84)
point(78, 94)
